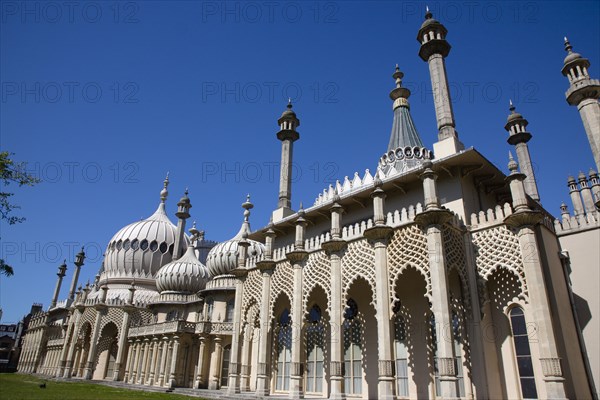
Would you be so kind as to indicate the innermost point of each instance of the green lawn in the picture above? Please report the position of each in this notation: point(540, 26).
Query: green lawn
point(26, 387)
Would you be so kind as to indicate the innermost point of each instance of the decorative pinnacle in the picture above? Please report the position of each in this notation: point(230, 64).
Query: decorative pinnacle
point(289, 105)
point(398, 75)
point(247, 206)
point(568, 46)
point(512, 164)
point(164, 193)
point(511, 106)
point(428, 14)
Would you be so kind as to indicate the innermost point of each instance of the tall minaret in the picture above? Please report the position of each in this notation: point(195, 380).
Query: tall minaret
point(518, 136)
point(183, 213)
point(288, 122)
point(434, 49)
point(62, 270)
point(584, 93)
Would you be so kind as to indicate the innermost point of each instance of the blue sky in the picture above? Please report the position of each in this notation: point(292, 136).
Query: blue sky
point(103, 98)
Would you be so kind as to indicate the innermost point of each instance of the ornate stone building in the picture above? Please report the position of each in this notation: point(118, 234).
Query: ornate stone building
point(436, 276)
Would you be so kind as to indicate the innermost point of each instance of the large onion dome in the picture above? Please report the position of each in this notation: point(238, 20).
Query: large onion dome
point(186, 275)
point(222, 259)
point(139, 249)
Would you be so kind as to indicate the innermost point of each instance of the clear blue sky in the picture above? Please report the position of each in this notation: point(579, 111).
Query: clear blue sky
point(103, 98)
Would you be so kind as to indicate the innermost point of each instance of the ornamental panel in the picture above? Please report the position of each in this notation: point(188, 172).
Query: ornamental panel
point(317, 272)
point(358, 261)
point(408, 246)
point(252, 289)
point(454, 251)
point(282, 281)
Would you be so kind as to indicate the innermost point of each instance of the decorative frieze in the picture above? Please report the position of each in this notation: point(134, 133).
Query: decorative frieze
point(336, 368)
point(386, 368)
point(296, 369)
point(551, 367)
point(446, 366)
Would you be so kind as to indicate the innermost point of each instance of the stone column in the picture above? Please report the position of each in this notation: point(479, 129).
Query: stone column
point(201, 353)
point(130, 356)
point(431, 221)
point(246, 348)
point(144, 361)
point(66, 358)
point(334, 249)
point(297, 258)
point(240, 273)
point(122, 345)
point(215, 359)
point(154, 361)
point(163, 361)
point(173, 371)
point(266, 266)
point(378, 235)
point(524, 221)
point(100, 310)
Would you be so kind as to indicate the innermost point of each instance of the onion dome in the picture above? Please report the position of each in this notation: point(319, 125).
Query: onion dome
point(139, 249)
point(571, 55)
point(186, 275)
point(222, 259)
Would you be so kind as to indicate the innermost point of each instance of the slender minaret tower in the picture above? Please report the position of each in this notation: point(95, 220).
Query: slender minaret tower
point(62, 271)
point(288, 122)
point(595, 183)
point(434, 49)
point(183, 208)
point(79, 258)
point(586, 194)
point(584, 93)
point(518, 136)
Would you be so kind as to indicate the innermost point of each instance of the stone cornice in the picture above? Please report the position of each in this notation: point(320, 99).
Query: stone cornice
point(524, 218)
point(297, 256)
point(378, 232)
point(437, 216)
point(435, 46)
point(333, 245)
point(521, 137)
point(239, 272)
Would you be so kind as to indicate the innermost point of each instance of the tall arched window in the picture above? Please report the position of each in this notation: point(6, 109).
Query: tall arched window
point(523, 353)
point(225, 365)
point(352, 349)
point(401, 349)
point(314, 351)
point(284, 352)
point(229, 310)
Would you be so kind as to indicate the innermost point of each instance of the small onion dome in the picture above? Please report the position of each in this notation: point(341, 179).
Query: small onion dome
point(571, 55)
point(288, 112)
point(513, 114)
point(185, 275)
point(222, 259)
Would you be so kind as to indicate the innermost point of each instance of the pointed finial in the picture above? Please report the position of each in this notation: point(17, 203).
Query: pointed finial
point(428, 14)
point(164, 193)
point(289, 105)
point(186, 191)
point(512, 164)
point(247, 206)
point(398, 75)
point(511, 106)
point(568, 46)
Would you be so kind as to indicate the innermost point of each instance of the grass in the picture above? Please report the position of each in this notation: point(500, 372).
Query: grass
point(26, 387)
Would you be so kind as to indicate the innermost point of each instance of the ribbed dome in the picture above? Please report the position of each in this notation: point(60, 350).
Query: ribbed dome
point(572, 56)
point(139, 249)
point(186, 275)
point(222, 258)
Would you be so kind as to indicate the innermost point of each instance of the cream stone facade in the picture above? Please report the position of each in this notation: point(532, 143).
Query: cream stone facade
point(435, 276)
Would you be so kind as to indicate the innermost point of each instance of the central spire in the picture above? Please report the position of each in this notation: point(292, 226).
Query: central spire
point(405, 149)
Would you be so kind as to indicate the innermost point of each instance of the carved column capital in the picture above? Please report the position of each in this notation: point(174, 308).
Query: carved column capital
point(551, 367)
point(333, 246)
point(386, 368)
point(446, 366)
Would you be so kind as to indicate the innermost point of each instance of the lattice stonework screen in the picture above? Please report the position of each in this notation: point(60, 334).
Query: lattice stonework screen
point(282, 281)
point(454, 249)
point(359, 261)
point(252, 290)
point(497, 248)
point(408, 246)
point(317, 272)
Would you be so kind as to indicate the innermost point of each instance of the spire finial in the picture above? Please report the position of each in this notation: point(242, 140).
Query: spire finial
point(247, 206)
point(511, 106)
point(512, 164)
point(568, 47)
point(398, 75)
point(164, 193)
point(289, 105)
point(428, 14)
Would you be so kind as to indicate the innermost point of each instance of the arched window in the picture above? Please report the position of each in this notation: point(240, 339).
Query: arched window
point(315, 333)
point(225, 365)
point(352, 349)
point(523, 353)
point(229, 311)
point(401, 349)
point(284, 352)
